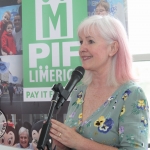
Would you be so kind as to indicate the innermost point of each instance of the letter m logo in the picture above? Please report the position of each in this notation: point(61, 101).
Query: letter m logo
point(53, 19)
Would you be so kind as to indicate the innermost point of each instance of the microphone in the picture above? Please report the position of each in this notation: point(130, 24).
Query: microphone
point(76, 76)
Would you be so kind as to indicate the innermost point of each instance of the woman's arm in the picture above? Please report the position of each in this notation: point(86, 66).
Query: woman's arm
point(133, 122)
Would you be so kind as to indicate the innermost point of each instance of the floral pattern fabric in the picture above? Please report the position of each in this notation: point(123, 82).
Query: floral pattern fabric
point(121, 122)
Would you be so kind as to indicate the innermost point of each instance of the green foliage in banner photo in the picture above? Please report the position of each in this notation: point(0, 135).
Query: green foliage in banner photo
point(50, 42)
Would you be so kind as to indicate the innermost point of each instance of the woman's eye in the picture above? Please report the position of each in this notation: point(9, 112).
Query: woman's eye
point(91, 41)
point(81, 42)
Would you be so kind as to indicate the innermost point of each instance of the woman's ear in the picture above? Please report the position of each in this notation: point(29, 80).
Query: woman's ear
point(114, 48)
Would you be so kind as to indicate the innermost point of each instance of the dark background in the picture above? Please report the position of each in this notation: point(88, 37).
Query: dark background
point(7, 2)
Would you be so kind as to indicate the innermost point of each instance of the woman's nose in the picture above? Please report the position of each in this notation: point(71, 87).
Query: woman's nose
point(83, 48)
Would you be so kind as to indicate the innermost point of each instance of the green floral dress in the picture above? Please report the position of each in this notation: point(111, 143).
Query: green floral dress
point(121, 122)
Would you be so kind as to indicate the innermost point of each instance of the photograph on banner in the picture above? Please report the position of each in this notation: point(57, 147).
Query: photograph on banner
point(10, 74)
point(116, 8)
point(11, 31)
point(11, 89)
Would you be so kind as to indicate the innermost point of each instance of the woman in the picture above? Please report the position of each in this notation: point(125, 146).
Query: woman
point(109, 111)
point(24, 139)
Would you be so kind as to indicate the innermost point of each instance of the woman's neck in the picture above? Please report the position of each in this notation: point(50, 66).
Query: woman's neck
point(98, 80)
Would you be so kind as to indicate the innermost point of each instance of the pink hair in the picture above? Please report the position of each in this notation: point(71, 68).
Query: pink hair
point(111, 30)
point(123, 64)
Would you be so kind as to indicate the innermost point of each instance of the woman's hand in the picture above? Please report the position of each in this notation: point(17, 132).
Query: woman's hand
point(64, 135)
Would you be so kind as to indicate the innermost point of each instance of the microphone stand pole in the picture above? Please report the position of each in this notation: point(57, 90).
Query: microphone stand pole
point(44, 136)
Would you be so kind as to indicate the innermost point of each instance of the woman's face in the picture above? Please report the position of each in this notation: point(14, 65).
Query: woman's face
point(94, 52)
point(24, 139)
point(100, 11)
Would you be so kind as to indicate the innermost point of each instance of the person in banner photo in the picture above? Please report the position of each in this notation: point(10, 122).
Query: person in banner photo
point(5, 19)
point(17, 33)
point(109, 110)
point(102, 8)
point(11, 92)
point(116, 8)
point(7, 41)
point(24, 139)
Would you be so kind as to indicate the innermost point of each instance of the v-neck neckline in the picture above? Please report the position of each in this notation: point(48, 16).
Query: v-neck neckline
point(110, 99)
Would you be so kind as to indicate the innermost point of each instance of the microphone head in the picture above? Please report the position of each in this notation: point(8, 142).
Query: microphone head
point(79, 71)
point(76, 76)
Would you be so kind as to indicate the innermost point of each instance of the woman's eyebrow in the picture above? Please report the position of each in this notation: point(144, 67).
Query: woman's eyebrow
point(89, 37)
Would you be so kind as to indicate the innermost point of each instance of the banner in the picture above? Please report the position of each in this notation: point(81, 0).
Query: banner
point(50, 44)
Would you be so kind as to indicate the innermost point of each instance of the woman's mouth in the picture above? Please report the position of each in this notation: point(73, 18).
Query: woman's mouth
point(86, 57)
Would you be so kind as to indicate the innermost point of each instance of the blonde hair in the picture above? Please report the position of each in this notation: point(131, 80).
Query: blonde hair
point(8, 13)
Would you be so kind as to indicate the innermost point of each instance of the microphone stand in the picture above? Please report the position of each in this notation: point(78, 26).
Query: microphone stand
point(44, 139)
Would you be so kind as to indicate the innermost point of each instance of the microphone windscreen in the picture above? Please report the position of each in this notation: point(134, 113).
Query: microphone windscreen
point(79, 71)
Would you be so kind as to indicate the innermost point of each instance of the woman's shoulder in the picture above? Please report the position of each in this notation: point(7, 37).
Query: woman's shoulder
point(133, 90)
point(130, 85)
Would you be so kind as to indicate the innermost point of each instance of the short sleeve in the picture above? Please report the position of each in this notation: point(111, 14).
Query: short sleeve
point(133, 121)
